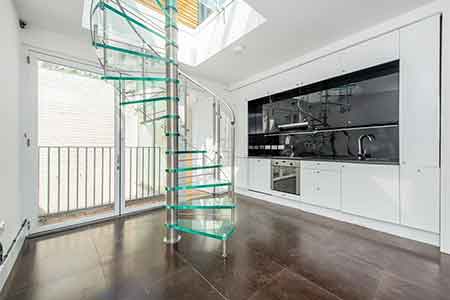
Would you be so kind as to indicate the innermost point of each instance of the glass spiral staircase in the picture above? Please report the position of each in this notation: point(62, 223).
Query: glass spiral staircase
point(138, 53)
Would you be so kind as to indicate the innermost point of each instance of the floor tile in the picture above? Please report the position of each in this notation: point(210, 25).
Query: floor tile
point(291, 286)
point(238, 276)
point(74, 287)
point(186, 284)
point(144, 268)
point(394, 288)
point(37, 268)
point(341, 275)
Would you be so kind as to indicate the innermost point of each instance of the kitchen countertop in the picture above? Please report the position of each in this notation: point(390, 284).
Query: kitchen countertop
point(370, 161)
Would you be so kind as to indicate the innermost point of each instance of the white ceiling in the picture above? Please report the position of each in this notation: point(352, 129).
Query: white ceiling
point(61, 16)
point(293, 28)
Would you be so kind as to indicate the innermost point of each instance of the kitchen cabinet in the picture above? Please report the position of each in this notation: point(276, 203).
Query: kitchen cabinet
point(371, 191)
point(242, 172)
point(419, 93)
point(321, 187)
point(259, 175)
point(419, 198)
point(371, 53)
point(420, 124)
point(324, 68)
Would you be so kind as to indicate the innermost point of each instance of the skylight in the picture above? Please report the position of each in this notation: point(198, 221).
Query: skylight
point(206, 27)
point(208, 7)
point(192, 13)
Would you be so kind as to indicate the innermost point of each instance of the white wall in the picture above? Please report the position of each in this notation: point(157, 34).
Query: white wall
point(10, 205)
point(445, 125)
point(275, 79)
point(78, 47)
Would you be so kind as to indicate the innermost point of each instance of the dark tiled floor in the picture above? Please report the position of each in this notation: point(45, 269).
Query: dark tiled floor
point(277, 253)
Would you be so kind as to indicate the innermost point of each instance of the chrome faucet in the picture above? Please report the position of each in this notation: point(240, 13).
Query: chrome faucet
point(362, 153)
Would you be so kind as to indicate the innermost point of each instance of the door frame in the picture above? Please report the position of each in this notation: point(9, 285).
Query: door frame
point(29, 125)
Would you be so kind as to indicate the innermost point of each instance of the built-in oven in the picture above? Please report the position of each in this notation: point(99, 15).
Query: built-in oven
point(286, 176)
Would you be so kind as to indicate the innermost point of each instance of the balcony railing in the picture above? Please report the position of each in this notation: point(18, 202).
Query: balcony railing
point(77, 178)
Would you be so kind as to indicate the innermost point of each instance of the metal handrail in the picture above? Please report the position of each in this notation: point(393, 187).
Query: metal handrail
point(216, 97)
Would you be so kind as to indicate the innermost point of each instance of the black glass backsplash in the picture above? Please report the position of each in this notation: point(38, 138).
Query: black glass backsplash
point(352, 102)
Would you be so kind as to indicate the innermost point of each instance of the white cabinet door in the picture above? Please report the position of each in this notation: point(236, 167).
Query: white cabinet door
point(419, 93)
point(420, 198)
point(371, 191)
point(324, 68)
point(371, 53)
point(321, 187)
point(242, 172)
point(328, 189)
point(308, 182)
point(259, 175)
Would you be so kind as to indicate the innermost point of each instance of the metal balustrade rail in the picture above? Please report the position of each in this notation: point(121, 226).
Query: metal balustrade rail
point(143, 174)
point(77, 178)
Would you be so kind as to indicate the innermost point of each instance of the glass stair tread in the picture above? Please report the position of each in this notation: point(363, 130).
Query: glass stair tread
point(187, 152)
point(189, 177)
point(199, 185)
point(117, 11)
point(141, 78)
point(153, 57)
point(149, 100)
point(206, 203)
point(193, 168)
point(217, 229)
point(192, 159)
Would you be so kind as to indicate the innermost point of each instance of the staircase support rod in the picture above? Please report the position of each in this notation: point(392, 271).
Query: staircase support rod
point(172, 126)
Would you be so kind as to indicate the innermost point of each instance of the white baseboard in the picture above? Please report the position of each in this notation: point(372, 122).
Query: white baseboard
point(8, 265)
point(390, 228)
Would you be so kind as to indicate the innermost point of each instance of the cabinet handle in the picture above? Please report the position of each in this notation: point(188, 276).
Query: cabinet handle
point(419, 171)
point(318, 189)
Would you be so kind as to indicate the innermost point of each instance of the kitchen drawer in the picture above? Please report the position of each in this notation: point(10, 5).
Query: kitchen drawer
point(320, 165)
point(321, 187)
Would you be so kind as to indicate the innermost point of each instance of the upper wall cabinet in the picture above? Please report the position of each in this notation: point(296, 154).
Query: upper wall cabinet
point(324, 68)
point(419, 93)
point(371, 53)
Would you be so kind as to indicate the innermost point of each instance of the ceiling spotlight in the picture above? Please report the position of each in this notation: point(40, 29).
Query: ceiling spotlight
point(239, 49)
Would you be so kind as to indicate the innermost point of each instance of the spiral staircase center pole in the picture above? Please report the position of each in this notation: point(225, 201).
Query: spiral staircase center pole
point(172, 236)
